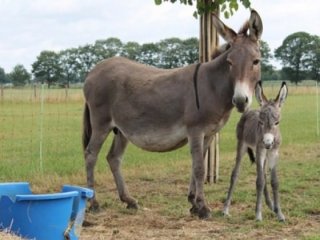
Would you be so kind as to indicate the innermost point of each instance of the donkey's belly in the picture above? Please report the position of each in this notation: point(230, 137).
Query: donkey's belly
point(159, 140)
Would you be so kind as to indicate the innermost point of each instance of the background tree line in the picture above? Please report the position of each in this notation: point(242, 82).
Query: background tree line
point(299, 55)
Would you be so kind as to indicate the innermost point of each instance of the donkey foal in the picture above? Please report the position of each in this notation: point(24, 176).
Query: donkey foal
point(258, 130)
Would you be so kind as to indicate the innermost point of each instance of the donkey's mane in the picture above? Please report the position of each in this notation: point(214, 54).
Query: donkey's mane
point(217, 51)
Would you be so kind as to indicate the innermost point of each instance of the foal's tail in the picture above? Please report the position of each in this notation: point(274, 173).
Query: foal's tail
point(251, 155)
point(87, 130)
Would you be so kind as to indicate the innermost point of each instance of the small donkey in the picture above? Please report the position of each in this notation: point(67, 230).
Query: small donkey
point(258, 130)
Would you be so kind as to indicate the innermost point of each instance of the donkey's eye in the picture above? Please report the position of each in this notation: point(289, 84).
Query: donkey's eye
point(229, 62)
point(260, 122)
point(276, 123)
point(256, 62)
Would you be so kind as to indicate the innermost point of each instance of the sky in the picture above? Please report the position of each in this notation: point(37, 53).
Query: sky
point(31, 26)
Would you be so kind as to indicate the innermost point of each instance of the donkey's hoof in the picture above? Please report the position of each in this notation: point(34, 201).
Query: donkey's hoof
point(194, 211)
point(204, 213)
point(281, 218)
point(94, 207)
point(133, 205)
point(226, 213)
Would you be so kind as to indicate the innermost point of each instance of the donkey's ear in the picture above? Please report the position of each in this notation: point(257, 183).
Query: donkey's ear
point(227, 33)
point(255, 26)
point(282, 95)
point(261, 98)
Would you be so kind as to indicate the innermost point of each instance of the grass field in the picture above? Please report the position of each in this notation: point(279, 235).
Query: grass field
point(160, 181)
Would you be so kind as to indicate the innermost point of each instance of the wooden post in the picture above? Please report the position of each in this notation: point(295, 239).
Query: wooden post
point(35, 91)
point(66, 88)
point(208, 41)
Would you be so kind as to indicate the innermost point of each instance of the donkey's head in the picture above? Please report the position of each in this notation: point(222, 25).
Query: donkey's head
point(270, 113)
point(243, 58)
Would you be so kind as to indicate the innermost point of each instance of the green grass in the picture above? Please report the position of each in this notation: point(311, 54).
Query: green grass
point(160, 180)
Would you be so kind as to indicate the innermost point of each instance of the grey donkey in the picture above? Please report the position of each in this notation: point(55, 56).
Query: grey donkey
point(258, 130)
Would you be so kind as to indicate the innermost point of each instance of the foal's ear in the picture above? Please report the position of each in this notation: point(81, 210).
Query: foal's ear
point(255, 26)
point(282, 95)
point(227, 33)
point(261, 98)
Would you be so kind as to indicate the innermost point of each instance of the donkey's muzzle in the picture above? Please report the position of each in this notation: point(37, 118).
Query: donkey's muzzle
point(241, 103)
point(268, 140)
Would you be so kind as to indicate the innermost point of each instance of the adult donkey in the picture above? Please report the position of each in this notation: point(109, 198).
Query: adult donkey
point(161, 110)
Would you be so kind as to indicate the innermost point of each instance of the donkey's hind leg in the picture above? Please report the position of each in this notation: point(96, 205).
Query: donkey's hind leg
point(114, 159)
point(241, 149)
point(265, 189)
point(91, 153)
point(268, 200)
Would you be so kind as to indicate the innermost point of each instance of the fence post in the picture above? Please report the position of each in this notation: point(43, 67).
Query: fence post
point(66, 88)
point(41, 128)
point(2, 92)
point(317, 98)
point(35, 91)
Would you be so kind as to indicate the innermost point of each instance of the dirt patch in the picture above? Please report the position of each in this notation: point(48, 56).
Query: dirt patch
point(148, 224)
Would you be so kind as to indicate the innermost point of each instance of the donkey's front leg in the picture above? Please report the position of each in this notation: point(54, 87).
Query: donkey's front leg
point(273, 159)
point(198, 173)
point(275, 187)
point(192, 188)
point(260, 183)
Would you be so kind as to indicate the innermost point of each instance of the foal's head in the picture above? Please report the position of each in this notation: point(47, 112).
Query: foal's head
point(243, 58)
point(270, 113)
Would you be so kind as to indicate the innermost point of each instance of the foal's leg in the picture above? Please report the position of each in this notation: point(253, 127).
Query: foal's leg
point(266, 194)
point(275, 187)
point(241, 149)
point(192, 188)
point(273, 159)
point(265, 190)
point(196, 142)
point(91, 153)
point(114, 159)
point(260, 182)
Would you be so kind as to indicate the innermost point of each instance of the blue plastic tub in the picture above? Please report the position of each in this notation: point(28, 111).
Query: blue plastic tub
point(43, 216)
point(78, 209)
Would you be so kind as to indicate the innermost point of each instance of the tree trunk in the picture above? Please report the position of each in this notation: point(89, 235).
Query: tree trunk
point(208, 41)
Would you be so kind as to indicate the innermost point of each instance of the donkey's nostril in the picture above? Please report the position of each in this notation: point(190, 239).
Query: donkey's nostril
point(247, 99)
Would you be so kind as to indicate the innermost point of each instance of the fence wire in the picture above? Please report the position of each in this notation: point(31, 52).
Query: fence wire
point(40, 128)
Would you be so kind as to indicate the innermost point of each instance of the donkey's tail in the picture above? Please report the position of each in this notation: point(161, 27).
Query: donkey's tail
point(87, 130)
point(251, 155)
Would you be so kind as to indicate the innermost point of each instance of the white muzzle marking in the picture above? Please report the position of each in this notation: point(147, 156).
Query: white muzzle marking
point(268, 140)
point(242, 91)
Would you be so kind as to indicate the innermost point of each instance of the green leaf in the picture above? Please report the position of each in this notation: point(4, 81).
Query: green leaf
point(195, 14)
point(235, 6)
point(224, 6)
point(226, 14)
point(246, 3)
point(158, 2)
